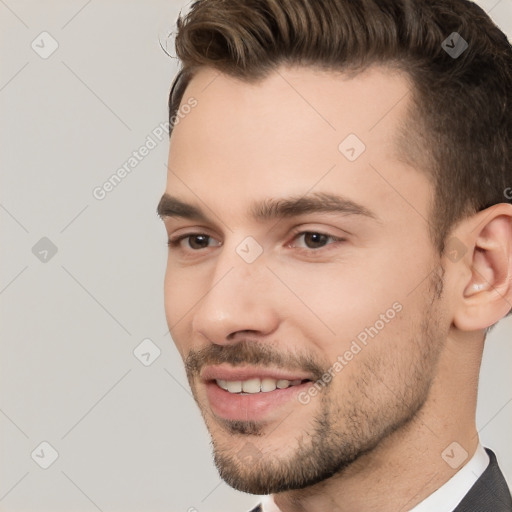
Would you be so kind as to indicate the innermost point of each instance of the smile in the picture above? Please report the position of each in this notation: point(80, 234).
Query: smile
point(249, 393)
point(256, 385)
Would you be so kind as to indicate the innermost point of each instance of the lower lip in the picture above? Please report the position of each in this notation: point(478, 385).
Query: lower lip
point(250, 407)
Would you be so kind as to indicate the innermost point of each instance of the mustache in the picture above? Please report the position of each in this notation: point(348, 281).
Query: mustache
point(247, 352)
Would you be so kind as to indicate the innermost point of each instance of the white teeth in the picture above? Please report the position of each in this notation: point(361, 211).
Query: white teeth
point(234, 386)
point(222, 384)
point(268, 385)
point(256, 385)
point(251, 386)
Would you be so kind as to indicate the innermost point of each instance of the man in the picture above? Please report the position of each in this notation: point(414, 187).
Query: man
point(340, 242)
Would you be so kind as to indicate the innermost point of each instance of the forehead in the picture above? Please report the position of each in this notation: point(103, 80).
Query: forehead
point(297, 130)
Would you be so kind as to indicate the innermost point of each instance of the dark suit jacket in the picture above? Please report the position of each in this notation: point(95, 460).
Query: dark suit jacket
point(488, 494)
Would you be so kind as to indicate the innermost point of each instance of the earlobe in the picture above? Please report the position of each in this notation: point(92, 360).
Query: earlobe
point(486, 295)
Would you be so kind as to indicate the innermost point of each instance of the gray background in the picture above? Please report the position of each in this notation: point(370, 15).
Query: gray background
point(129, 436)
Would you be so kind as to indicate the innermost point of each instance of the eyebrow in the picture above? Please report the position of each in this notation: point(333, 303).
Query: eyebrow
point(270, 209)
point(312, 203)
point(170, 206)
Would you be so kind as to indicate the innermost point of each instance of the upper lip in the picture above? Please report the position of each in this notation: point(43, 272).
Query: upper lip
point(241, 373)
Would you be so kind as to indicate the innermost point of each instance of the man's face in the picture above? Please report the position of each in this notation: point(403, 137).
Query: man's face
point(302, 288)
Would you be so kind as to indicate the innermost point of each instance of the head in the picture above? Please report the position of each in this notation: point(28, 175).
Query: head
point(338, 221)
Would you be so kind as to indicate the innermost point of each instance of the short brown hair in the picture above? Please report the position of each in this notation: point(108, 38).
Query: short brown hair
point(459, 130)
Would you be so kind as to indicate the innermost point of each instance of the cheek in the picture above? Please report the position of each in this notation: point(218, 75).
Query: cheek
point(336, 293)
point(183, 287)
point(181, 293)
point(338, 303)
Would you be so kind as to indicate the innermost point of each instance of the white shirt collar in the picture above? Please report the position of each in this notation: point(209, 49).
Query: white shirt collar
point(446, 498)
point(450, 494)
point(268, 504)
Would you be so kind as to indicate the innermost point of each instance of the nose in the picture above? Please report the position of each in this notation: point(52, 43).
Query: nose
point(240, 301)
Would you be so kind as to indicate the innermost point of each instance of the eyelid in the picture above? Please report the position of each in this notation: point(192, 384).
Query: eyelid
point(191, 231)
point(176, 240)
point(301, 232)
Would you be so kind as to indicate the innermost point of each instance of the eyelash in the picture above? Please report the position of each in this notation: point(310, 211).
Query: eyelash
point(175, 242)
point(332, 238)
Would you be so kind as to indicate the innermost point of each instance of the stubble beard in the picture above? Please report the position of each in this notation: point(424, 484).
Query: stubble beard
point(341, 431)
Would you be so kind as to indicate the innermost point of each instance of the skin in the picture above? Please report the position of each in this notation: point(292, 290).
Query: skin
point(379, 427)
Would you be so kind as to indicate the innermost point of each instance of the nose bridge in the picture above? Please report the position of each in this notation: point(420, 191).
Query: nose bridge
point(237, 298)
point(243, 264)
point(235, 279)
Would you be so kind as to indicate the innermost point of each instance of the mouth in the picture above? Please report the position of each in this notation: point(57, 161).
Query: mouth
point(252, 394)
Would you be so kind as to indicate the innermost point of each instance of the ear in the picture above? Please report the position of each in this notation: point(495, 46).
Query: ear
point(484, 290)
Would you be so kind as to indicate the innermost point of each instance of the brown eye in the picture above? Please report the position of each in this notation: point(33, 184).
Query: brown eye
point(193, 241)
point(315, 240)
point(198, 241)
